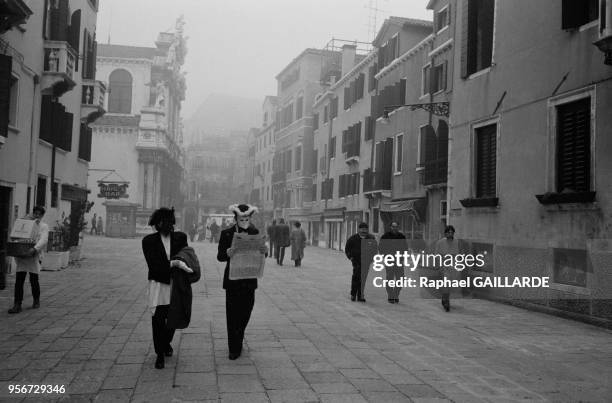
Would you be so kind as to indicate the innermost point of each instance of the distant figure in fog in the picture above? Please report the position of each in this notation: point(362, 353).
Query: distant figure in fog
point(360, 250)
point(298, 243)
point(100, 226)
point(192, 232)
point(448, 246)
point(93, 225)
point(271, 230)
point(214, 232)
point(390, 243)
point(282, 241)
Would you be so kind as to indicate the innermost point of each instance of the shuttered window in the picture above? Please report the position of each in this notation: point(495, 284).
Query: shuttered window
point(574, 146)
point(74, 35)
point(399, 152)
point(41, 191)
point(315, 121)
point(477, 36)
point(6, 63)
point(486, 160)
point(299, 108)
point(332, 147)
point(85, 142)
point(298, 158)
point(369, 128)
point(65, 141)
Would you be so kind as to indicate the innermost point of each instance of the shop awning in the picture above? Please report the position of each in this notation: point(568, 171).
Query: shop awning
point(417, 205)
point(334, 214)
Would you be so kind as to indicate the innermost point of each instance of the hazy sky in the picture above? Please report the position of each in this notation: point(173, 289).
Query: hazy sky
point(237, 47)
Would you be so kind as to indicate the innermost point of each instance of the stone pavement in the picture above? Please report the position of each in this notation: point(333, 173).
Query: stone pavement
point(306, 341)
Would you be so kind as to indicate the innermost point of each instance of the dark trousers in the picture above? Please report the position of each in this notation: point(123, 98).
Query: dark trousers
point(298, 262)
point(162, 334)
point(356, 288)
point(238, 308)
point(394, 273)
point(20, 281)
point(280, 254)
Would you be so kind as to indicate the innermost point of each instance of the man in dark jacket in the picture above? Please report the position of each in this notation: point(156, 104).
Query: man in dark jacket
point(239, 294)
point(391, 242)
point(360, 250)
point(272, 236)
point(282, 241)
point(157, 249)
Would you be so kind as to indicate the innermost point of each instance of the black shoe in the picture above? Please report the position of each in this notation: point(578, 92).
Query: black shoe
point(15, 309)
point(446, 305)
point(396, 301)
point(159, 362)
point(36, 304)
point(353, 298)
point(391, 300)
point(169, 352)
point(233, 356)
point(361, 299)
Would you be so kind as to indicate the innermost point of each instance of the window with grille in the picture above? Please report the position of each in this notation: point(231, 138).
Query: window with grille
point(486, 160)
point(574, 146)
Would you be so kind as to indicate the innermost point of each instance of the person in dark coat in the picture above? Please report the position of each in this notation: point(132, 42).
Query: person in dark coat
point(239, 294)
point(181, 297)
point(282, 241)
point(272, 236)
point(157, 249)
point(391, 242)
point(360, 258)
point(214, 232)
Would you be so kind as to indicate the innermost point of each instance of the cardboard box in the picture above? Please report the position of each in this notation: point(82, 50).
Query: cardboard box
point(23, 229)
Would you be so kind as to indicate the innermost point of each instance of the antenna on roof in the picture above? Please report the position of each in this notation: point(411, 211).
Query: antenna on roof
point(372, 19)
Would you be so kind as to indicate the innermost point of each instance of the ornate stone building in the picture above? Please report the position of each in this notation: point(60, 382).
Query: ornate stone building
point(139, 142)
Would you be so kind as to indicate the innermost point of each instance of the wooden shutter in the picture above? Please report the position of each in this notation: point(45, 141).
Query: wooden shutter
point(46, 119)
point(465, 37)
point(346, 98)
point(6, 65)
point(66, 140)
point(574, 146)
point(486, 160)
point(388, 163)
point(442, 141)
point(74, 35)
point(572, 13)
point(59, 21)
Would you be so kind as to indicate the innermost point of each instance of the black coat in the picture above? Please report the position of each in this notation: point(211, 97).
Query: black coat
point(155, 254)
point(225, 242)
point(179, 313)
point(352, 248)
point(283, 233)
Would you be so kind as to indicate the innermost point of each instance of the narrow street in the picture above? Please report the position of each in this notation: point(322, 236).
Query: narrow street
point(306, 340)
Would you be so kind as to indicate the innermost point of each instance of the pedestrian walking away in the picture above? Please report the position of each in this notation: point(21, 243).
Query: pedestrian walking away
point(391, 242)
point(298, 243)
point(360, 249)
point(32, 263)
point(282, 241)
point(272, 237)
point(158, 249)
point(100, 226)
point(93, 230)
point(448, 246)
point(239, 294)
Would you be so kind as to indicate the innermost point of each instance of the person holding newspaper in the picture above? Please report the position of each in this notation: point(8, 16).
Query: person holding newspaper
point(239, 294)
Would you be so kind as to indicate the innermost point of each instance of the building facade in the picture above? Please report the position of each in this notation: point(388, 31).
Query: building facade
point(530, 146)
point(49, 97)
point(138, 159)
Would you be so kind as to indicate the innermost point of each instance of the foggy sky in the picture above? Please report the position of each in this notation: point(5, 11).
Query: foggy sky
point(237, 47)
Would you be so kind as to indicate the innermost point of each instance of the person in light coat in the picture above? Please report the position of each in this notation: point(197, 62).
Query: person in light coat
point(298, 243)
point(32, 263)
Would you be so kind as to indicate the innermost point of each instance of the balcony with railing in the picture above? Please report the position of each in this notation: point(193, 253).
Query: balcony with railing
point(352, 152)
point(92, 99)
point(434, 172)
point(58, 68)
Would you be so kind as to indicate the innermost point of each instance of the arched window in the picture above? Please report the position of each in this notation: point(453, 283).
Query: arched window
point(120, 92)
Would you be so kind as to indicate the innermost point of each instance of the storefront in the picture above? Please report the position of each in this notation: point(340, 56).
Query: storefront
point(334, 223)
point(408, 213)
point(120, 219)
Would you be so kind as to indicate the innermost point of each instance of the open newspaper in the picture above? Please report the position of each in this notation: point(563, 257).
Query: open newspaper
point(247, 261)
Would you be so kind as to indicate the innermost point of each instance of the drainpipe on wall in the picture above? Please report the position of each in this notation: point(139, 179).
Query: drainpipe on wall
point(32, 159)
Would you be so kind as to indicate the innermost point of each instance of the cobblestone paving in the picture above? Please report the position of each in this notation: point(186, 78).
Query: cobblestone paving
point(306, 341)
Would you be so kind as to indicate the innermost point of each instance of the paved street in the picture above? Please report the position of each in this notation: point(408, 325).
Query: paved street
point(306, 341)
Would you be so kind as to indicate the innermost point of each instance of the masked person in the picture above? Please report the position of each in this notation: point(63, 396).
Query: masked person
point(239, 294)
point(157, 249)
point(360, 249)
point(31, 264)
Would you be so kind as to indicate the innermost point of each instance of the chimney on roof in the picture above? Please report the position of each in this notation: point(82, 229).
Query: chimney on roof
point(349, 53)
